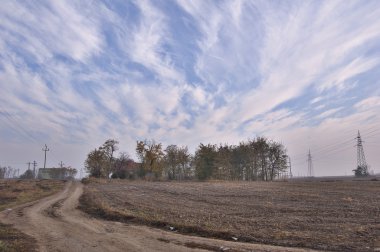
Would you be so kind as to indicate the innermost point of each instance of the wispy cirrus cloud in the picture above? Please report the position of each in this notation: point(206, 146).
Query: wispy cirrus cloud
point(148, 43)
point(328, 113)
point(187, 72)
point(368, 103)
point(46, 30)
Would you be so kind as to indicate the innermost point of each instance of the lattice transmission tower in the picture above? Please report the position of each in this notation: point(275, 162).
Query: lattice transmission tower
point(310, 170)
point(362, 167)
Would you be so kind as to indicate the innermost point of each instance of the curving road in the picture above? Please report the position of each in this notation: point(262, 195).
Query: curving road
point(58, 226)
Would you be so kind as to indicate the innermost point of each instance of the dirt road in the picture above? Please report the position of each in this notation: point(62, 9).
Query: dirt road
point(58, 226)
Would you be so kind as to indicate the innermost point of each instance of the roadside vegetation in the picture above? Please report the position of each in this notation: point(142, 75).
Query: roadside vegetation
point(17, 192)
point(334, 216)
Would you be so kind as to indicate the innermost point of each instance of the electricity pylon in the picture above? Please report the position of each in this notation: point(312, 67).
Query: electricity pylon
point(310, 171)
point(290, 169)
point(362, 167)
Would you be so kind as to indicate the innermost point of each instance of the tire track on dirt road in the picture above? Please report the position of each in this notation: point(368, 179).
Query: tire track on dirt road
point(57, 225)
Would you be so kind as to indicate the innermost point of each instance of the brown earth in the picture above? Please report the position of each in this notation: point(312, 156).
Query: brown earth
point(330, 215)
point(14, 192)
point(57, 225)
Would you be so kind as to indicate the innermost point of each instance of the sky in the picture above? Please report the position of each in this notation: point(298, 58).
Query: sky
point(76, 73)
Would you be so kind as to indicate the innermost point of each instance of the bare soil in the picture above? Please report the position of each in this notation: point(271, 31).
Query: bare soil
point(16, 192)
point(57, 225)
point(330, 215)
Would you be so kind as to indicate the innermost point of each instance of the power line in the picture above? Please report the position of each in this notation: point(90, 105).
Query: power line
point(324, 148)
point(375, 130)
point(334, 152)
point(373, 135)
point(14, 123)
point(373, 127)
point(329, 148)
point(326, 153)
point(316, 150)
point(11, 162)
point(370, 143)
point(19, 129)
point(333, 147)
point(329, 161)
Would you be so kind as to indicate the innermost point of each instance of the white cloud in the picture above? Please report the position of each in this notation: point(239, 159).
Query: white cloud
point(46, 30)
point(149, 103)
point(328, 113)
point(320, 106)
point(299, 47)
point(146, 46)
point(73, 65)
point(274, 121)
point(227, 45)
point(369, 103)
point(357, 66)
point(15, 84)
point(315, 100)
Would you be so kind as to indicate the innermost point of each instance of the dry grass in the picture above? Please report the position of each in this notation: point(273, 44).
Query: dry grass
point(340, 216)
point(16, 192)
point(13, 240)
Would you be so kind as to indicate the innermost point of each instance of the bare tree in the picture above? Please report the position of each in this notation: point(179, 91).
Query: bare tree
point(151, 157)
point(109, 147)
point(256, 159)
point(7, 172)
point(184, 159)
point(96, 163)
point(277, 159)
point(177, 160)
point(123, 167)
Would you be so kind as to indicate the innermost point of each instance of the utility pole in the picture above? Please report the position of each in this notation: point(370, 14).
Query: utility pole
point(290, 169)
point(45, 149)
point(362, 167)
point(34, 168)
point(28, 165)
point(310, 171)
point(61, 164)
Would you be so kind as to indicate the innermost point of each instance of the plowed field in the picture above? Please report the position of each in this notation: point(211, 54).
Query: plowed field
point(338, 215)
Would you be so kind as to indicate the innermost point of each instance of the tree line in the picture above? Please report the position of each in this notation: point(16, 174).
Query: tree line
point(8, 172)
point(254, 159)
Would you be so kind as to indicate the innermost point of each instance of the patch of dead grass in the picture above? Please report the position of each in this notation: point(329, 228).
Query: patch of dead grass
point(14, 241)
point(17, 192)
